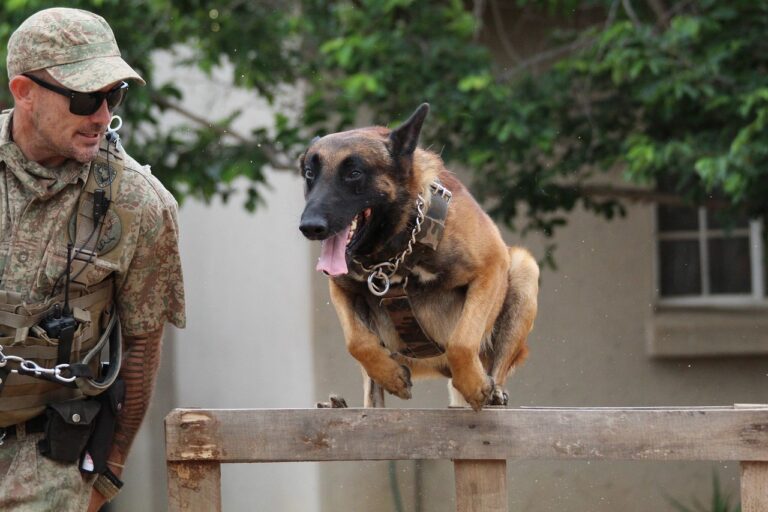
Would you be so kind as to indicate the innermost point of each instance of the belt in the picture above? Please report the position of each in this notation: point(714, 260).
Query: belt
point(36, 424)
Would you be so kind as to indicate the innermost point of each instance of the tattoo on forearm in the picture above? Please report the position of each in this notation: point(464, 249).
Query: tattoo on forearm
point(139, 371)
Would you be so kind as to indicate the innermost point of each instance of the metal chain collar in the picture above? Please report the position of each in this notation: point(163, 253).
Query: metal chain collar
point(381, 274)
point(34, 368)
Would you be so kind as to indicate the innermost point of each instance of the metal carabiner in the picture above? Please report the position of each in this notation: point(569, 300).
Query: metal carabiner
point(57, 373)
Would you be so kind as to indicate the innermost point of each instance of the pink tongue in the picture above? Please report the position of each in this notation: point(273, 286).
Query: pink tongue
point(333, 254)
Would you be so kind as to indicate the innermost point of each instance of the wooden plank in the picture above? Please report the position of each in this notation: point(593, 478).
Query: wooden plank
point(481, 485)
point(754, 486)
point(194, 486)
point(253, 435)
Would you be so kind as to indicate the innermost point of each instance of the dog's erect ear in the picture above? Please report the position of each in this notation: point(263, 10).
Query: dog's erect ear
point(406, 136)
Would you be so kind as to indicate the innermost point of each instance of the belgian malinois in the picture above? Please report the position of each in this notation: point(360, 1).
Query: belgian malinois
point(420, 277)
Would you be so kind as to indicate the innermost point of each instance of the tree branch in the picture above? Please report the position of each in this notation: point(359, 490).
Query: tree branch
point(546, 55)
point(641, 195)
point(498, 25)
point(660, 10)
point(631, 13)
point(276, 160)
point(477, 11)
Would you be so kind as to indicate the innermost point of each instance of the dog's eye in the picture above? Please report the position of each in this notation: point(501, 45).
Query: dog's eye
point(309, 174)
point(354, 174)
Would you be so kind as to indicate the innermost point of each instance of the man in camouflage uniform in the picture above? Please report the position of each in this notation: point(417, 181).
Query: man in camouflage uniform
point(47, 154)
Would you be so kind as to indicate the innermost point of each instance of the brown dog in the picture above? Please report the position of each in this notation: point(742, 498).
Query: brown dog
point(421, 279)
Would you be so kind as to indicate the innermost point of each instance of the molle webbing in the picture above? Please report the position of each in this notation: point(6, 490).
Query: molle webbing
point(20, 317)
point(23, 397)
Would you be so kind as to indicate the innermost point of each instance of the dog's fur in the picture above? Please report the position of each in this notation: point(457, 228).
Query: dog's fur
point(474, 296)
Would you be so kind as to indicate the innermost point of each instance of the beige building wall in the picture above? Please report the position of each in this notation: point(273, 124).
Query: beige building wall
point(588, 348)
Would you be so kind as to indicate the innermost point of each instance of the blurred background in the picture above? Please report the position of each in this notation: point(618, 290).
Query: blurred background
point(623, 141)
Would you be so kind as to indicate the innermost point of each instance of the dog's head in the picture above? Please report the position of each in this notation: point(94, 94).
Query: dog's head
point(358, 184)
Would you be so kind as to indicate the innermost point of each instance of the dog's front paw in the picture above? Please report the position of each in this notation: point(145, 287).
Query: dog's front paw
point(476, 395)
point(398, 382)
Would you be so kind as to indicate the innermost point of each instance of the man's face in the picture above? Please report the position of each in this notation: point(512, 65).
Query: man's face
point(63, 134)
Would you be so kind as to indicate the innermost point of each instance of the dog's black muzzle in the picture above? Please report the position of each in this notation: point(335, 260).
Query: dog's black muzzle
point(314, 226)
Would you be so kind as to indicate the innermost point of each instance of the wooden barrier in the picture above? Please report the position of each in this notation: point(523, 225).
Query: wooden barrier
point(479, 443)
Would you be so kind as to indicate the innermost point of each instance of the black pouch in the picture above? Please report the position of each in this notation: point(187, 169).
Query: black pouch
point(100, 443)
point(67, 429)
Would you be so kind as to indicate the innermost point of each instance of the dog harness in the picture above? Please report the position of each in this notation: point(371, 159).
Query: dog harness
point(425, 238)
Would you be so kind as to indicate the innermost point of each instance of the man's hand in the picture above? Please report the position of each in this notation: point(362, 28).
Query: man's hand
point(97, 501)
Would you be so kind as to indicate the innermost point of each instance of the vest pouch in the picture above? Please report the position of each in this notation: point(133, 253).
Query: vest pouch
point(68, 427)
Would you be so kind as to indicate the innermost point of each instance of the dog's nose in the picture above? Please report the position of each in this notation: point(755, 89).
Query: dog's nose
point(314, 228)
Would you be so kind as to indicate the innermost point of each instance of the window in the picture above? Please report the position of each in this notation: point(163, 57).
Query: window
point(703, 260)
point(711, 286)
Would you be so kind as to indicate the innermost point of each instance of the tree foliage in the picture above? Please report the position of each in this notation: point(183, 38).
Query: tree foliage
point(660, 93)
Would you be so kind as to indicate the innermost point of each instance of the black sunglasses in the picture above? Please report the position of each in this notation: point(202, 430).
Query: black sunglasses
point(87, 103)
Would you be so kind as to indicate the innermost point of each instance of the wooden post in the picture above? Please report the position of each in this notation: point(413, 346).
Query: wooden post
point(481, 485)
point(754, 486)
point(194, 486)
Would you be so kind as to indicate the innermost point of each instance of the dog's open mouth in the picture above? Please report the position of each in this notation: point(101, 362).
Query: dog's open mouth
point(333, 254)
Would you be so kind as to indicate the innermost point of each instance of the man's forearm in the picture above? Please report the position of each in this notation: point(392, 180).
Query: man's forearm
point(139, 370)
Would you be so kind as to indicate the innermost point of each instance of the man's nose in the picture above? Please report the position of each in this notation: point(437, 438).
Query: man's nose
point(102, 116)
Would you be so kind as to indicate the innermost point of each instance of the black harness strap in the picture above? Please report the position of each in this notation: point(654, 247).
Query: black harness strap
point(396, 302)
point(417, 344)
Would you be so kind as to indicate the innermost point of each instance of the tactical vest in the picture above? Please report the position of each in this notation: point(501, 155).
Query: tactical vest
point(96, 257)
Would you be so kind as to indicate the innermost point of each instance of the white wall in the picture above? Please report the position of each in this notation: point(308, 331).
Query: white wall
point(246, 345)
point(247, 341)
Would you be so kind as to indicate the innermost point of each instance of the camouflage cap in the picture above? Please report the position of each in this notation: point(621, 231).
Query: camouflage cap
point(76, 47)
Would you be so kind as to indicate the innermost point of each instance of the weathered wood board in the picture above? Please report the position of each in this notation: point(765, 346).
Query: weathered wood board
point(253, 435)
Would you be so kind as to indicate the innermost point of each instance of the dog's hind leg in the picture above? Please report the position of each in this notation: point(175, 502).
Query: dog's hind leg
point(515, 321)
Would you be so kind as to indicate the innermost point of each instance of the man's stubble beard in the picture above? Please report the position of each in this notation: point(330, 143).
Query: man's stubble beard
point(48, 138)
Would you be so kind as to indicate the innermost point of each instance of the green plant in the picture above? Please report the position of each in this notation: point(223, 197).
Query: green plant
point(652, 91)
point(720, 502)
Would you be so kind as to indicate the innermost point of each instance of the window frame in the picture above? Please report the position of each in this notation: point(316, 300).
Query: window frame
point(754, 234)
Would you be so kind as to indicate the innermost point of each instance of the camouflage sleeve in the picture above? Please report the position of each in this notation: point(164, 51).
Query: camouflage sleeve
point(151, 291)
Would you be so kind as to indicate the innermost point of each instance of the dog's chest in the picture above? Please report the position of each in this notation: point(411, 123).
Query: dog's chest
point(429, 309)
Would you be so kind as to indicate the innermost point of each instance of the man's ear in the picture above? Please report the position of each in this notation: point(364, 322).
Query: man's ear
point(21, 89)
point(405, 138)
